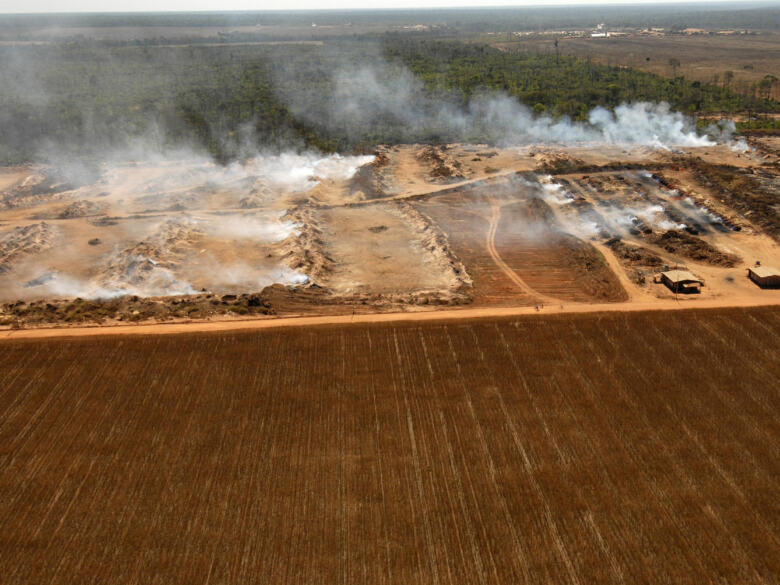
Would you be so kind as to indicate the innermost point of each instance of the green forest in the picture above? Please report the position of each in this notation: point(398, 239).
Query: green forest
point(562, 85)
point(85, 97)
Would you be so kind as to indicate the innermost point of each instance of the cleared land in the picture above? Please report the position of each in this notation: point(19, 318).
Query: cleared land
point(702, 58)
point(515, 256)
point(409, 228)
point(607, 448)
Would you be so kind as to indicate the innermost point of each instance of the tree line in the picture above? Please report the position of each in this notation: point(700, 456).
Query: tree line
point(84, 99)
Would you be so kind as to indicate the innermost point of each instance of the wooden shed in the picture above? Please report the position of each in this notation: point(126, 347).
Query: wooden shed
point(764, 276)
point(681, 281)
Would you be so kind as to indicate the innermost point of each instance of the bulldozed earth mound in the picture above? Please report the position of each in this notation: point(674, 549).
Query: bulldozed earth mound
point(694, 248)
point(259, 194)
point(637, 261)
point(250, 202)
point(41, 186)
point(150, 264)
point(23, 241)
point(555, 161)
point(633, 255)
point(372, 179)
point(539, 211)
point(443, 166)
point(81, 208)
point(304, 250)
point(436, 242)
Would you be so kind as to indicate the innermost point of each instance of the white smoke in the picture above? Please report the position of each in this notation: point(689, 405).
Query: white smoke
point(703, 214)
point(144, 195)
point(555, 194)
point(298, 172)
point(260, 228)
point(646, 124)
point(184, 172)
point(724, 131)
point(618, 219)
point(162, 282)
point(389, 93)
point(284, 275)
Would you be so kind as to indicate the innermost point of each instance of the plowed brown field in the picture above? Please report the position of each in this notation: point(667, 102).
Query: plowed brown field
point(517, 258)
point(595, 448)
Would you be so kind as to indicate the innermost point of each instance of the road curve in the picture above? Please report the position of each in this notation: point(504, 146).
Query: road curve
point(490, 243)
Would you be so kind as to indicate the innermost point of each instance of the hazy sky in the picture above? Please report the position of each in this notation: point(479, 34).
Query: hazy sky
point(8, 6)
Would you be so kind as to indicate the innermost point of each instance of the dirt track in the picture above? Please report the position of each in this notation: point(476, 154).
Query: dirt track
point(772, 299)
point(490, 243)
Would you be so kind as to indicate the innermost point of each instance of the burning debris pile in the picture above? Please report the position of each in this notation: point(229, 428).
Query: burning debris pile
point(754, 199)
point(42, 186)
point(304, 251)
point(80, 208)
point(555, 161)
point(642, 206)
point(637, 260)
point(444, 167)
point(538, 211)
point(694, 248)
point(22, 241)
point(372, 180)
point(437, 243)
point(259, 194)
point(149, 266)
point(634, 255)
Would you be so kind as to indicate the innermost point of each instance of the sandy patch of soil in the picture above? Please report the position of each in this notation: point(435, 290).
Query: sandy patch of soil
point(382, 249)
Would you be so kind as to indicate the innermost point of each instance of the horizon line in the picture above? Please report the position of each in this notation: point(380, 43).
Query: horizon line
point(738, 5)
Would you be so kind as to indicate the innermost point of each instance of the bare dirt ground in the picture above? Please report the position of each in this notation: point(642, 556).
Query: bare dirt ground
point(376, 250)
point(10, 176)
point(415, 228)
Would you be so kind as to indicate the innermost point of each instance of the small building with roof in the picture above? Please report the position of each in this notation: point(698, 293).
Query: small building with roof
point(764, 276)
point(681, 281)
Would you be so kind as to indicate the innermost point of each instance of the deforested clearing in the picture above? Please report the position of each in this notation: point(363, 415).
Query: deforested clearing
point(595, 448)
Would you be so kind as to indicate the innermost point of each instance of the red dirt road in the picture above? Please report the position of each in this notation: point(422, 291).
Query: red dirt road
point(772, 298)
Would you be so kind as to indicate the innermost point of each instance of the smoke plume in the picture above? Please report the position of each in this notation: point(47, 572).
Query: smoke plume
point(389, 94)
